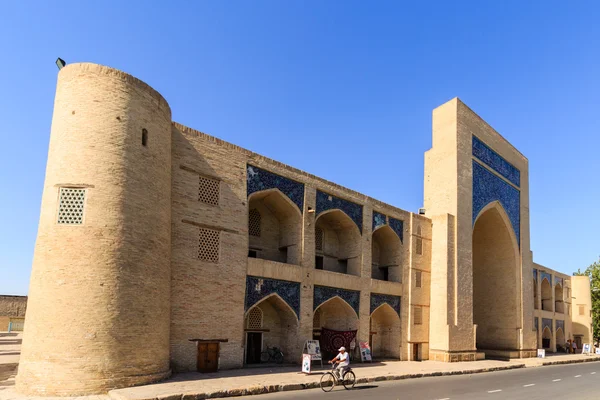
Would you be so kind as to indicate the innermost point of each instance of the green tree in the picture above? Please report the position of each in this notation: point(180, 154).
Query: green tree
point(593, 271)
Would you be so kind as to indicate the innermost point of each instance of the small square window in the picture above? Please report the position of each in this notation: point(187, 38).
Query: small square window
point(418, 279)
point(418, 316)
point(208, 245)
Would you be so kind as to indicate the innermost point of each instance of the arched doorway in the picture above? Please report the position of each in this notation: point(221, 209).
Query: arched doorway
point(546, 338)
point(337, 315)
point(274, 227)
point(386, 255)
point(337, 243)
point(271, 323)
point(496, 300)
point(560, 339)
point(546, 295)
point(558, 299)
point(385, 333)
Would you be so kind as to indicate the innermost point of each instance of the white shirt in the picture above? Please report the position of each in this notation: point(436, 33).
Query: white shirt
point(344, 360)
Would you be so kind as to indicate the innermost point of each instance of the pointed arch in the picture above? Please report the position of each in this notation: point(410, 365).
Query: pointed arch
point(274, 227)
point(386, 306)
point(386, 254)
point(546, 295)
point(505, 219)
point(284, 304)
point(384, 332)
point(336, 298)
point(340, 250)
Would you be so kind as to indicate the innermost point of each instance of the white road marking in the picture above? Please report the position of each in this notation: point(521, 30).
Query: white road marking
point(556, 380)
point(592, 373)
point(494, 391)
point(577, 376)
point(445, 398)
point(531, 384)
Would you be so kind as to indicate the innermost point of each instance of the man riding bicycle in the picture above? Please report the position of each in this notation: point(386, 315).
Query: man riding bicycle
point(343, 361)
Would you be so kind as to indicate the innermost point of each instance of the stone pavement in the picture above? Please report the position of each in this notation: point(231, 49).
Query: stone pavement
point(195, 386)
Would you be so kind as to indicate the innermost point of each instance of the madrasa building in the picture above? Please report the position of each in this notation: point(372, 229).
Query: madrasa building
point(163, 249)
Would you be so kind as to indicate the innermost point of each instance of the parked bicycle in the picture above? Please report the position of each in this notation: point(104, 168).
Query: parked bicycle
point(272, 354)
point(330, 379)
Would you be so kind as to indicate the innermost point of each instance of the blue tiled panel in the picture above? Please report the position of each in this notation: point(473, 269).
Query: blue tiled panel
point(558, 281)
point(259, 179)
point(258, 288)
point(354, 211)
point(535, 274)
point(536, 322)
point(397, 226)
point(547, 276)
point(560, 324)
point(378, 220)
point(496, 162)
point(379, 299)
point(487, 187)
point(324, 293)
point(546, 322)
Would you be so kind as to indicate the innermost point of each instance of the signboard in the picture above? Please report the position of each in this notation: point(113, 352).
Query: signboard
point(313, 348)
point(541, 353)
point(306, 363)
point(365, 351)
point(586, 349)
point(597, 350)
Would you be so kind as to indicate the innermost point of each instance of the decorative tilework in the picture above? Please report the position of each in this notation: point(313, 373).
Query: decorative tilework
point(560, 324)
point(558, 281)
point(535, 274)
point(258, 288)
point(487, 187)
point(547, 276)
point(379, 299)
point(397, 226)
point(536, 322)
point(324, 293)
point(259, 179)
point(378, 220)
point(496, 162)
point(546, 323)
point(328, 202)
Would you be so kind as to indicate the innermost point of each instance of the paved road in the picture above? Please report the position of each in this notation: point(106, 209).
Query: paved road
point(572, 382)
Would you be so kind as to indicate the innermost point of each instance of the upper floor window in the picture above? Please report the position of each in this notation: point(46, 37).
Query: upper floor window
point(71, 202)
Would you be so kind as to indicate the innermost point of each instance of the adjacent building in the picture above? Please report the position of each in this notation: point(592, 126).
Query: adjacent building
point(168, 249)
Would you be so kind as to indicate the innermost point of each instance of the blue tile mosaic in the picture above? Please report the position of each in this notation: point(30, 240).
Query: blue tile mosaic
point(379, 299)
point(378, 220)
point(535, 274)
point(397, 226)
point(487, 188)
point(547, 276)
point(558, 281)
point(259, 179)
point(560, 324)
point(496, 162)
point(546, 323)
point(324, 293)
point(535, 321)
point(329, 202)
point(258, 288)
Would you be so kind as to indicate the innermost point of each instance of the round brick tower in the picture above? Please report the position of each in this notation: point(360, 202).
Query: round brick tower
point(98, 313)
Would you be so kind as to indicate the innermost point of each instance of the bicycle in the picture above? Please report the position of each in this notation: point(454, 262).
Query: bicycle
point(272, 353)
point(330, 379)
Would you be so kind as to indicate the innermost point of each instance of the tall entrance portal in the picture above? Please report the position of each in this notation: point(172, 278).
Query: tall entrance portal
point(477, 196)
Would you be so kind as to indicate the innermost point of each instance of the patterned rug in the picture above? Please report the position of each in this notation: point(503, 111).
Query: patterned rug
point(332, 340)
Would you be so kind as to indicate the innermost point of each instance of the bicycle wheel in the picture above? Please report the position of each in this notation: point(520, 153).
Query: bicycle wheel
point(264, 356)
point(349, 380)
point(278, 357)
point(327, 382)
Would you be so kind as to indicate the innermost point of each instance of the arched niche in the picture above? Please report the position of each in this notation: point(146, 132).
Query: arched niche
point(339, 247)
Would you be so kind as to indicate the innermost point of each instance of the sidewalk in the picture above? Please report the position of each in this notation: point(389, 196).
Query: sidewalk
point(195, 386)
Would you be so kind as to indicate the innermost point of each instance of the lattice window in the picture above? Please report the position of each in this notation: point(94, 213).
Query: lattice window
point(254, 221)
point(419, 246)
point(581, 310)
point(255, 318)
point(317, 319)
point(208, 190)
point(418, 316)
point(208, 245)
point(318, 238)
point(418, 279)
point(70, 206)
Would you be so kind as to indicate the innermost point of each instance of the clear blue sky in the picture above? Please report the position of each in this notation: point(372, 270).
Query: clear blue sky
point(352, 82)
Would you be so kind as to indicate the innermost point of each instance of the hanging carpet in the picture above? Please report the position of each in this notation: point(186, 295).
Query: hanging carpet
point(331, 340)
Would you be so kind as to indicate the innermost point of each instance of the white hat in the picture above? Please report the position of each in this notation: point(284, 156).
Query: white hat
point(342, 348)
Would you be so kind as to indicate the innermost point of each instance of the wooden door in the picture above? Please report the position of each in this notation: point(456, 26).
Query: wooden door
point(208, 357)
point(416, 352)
point(253, 347)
